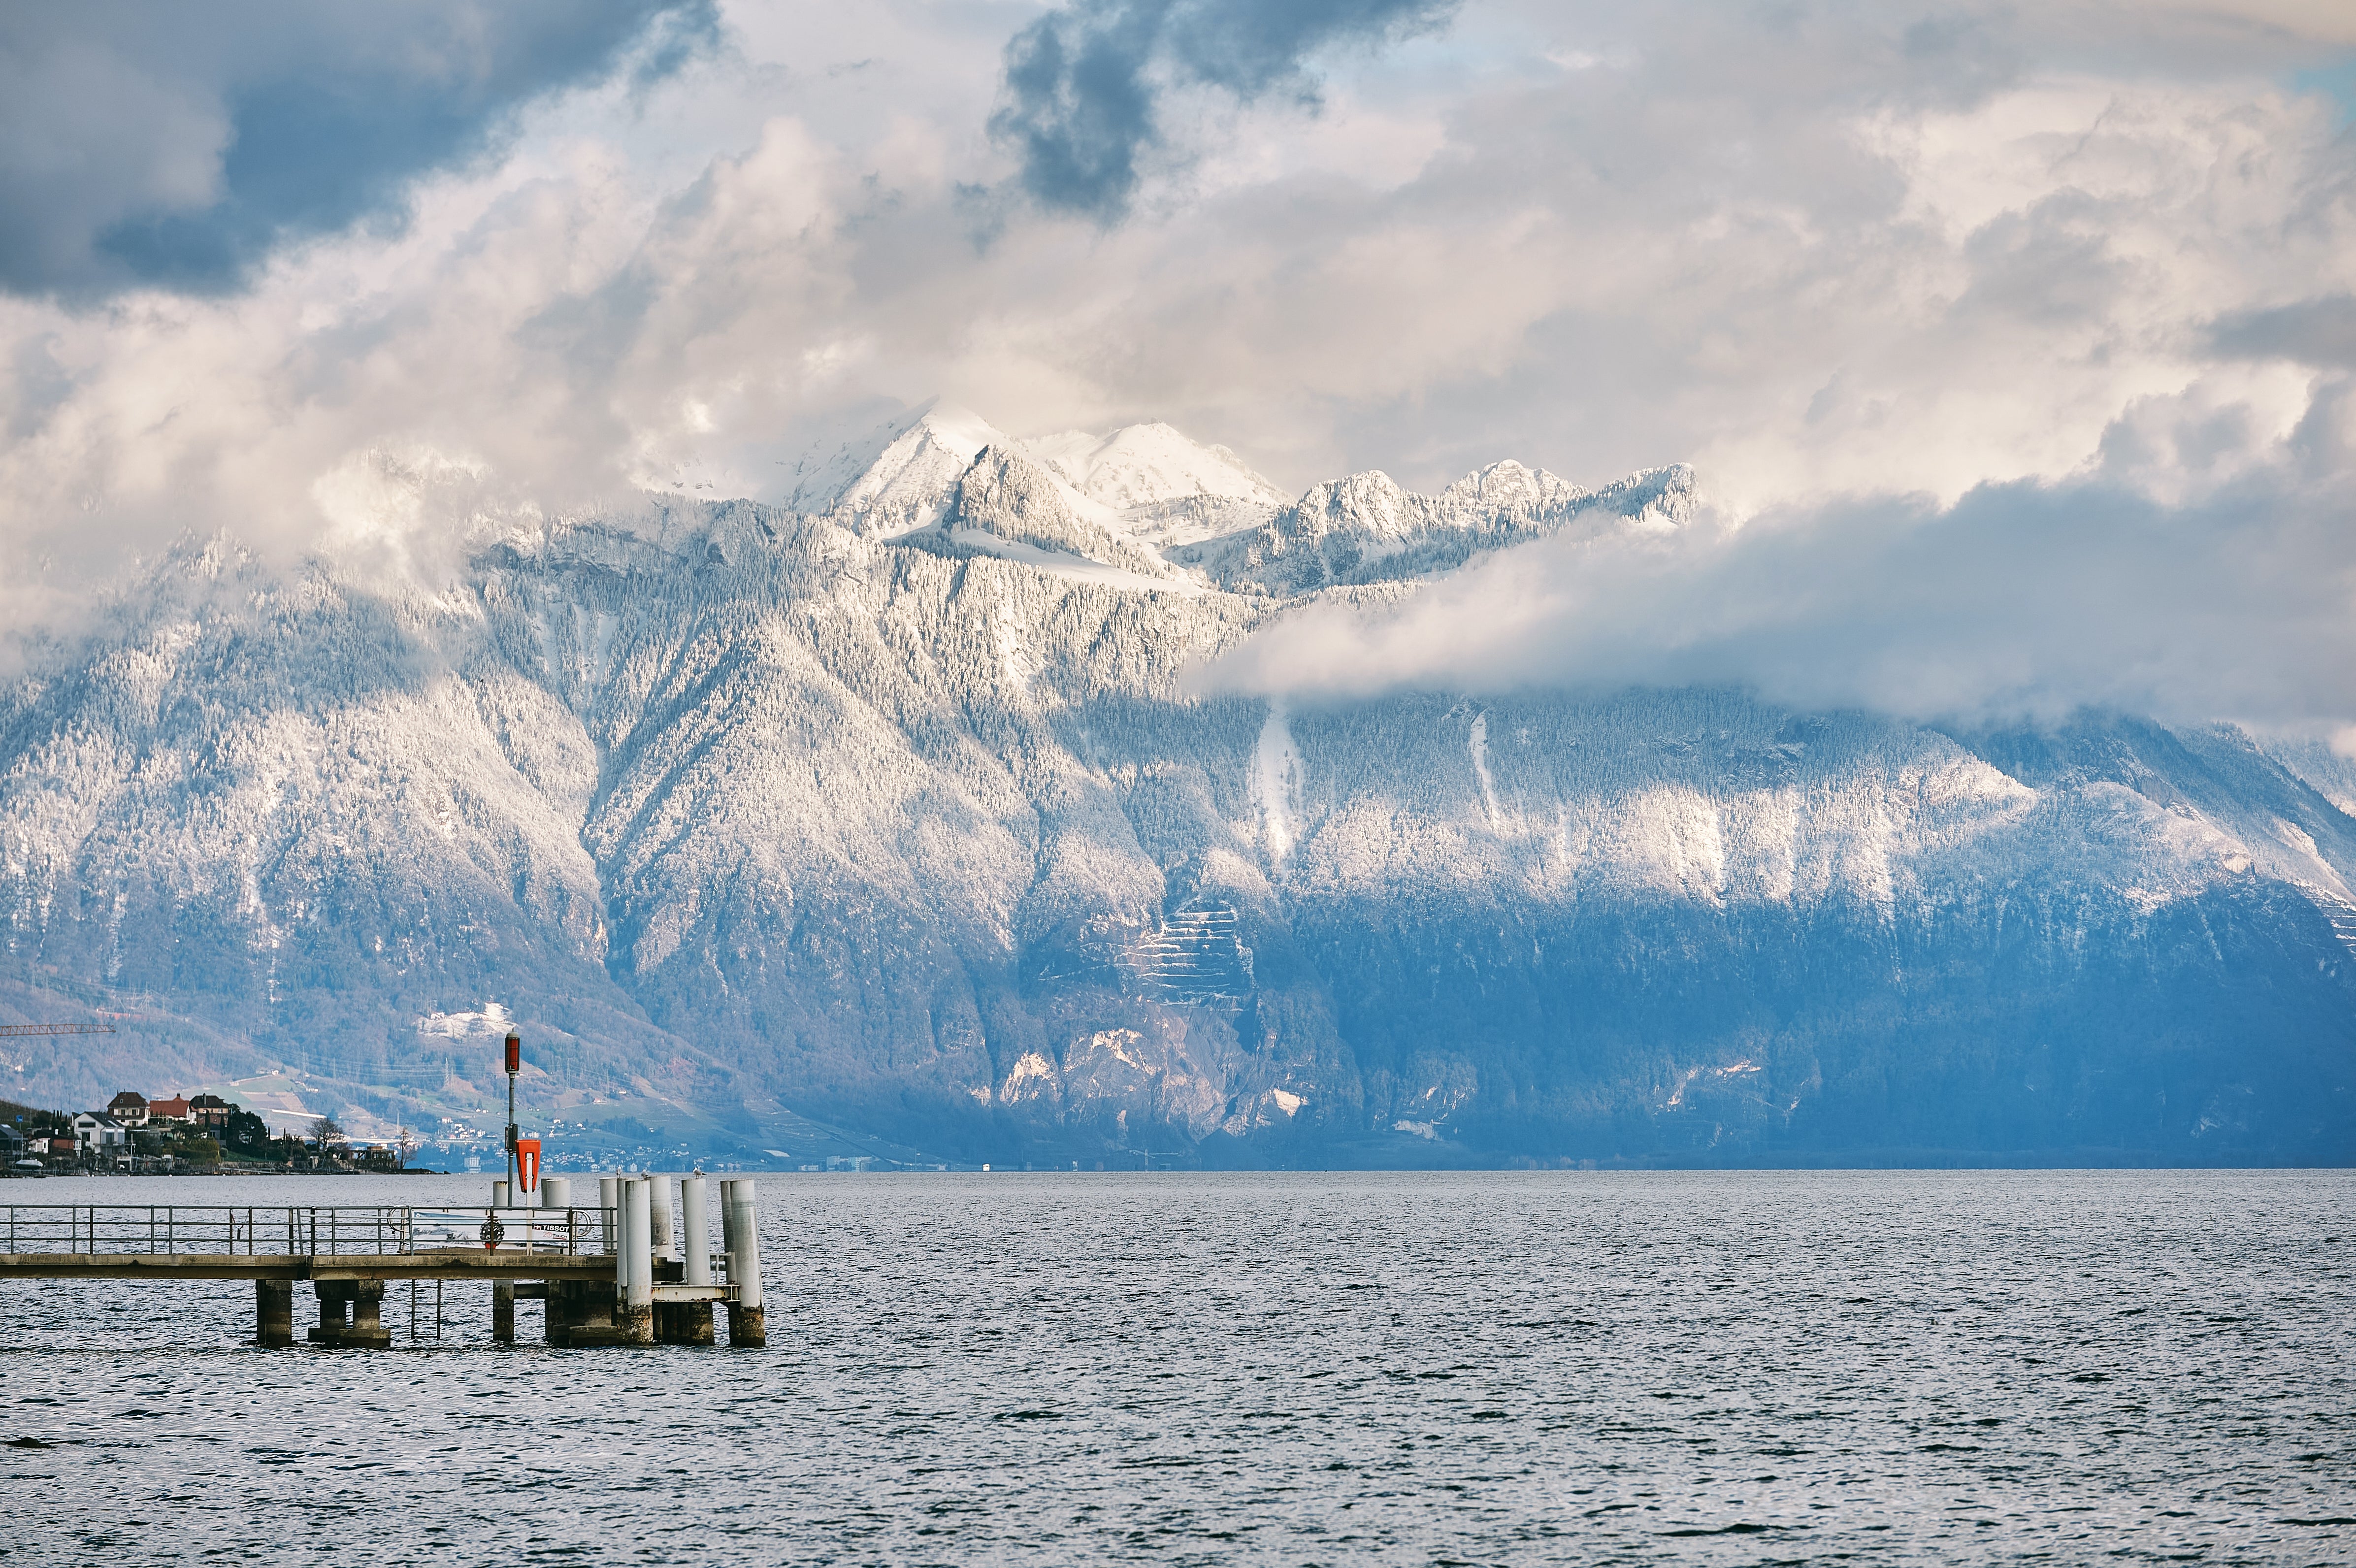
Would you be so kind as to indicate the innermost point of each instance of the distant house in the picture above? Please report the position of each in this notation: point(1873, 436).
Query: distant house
point(173, 1110)
point(97, 1130)
point(55, 1145)
point(12, 1142)
point(210, 1110)
point(129, 1108)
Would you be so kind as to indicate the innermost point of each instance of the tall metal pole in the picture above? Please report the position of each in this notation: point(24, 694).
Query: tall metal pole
point(515, 1065)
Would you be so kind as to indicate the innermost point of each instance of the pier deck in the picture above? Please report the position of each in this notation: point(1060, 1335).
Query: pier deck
point(381, 1242)
point(476, 1266)
point(584, 1262)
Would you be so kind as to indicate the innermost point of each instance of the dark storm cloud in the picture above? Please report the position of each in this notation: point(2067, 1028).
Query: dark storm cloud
point(1082, 83)
point(161, 143)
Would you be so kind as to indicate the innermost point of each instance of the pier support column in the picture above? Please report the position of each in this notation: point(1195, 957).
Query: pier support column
point(696, 1323)
point(503, 1311)
point(636, 1319)
point(556, 1319)
point(747, 1322)
point(273, 1314)
point(658, 1210)
point(582, 1311)
point(695, 1226)
point(367, 1317)
point(691, 1320)
point(569, 1309)
point(352, 1312)
point(335, 1310)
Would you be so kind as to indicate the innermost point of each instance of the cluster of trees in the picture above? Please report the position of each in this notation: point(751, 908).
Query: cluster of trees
point(33, 1122)
point(186, 1143)
point(247, 1138)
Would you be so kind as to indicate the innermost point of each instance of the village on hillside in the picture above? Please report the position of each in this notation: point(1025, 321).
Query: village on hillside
point(201, 1134)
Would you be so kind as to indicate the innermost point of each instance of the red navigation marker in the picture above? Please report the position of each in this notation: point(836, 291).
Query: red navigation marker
point(515, 1066)
point(527, 1165)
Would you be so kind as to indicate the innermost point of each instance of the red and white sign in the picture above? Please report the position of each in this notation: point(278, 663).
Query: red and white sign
point(528, 1164)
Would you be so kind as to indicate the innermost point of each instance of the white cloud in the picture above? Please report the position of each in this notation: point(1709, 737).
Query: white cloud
point(1830, 254)
point(2024, 599)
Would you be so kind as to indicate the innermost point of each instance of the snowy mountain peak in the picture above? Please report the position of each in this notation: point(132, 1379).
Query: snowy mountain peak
point(1146, 496)
point(897, 478)
point(1149, 465)
point(1508, 486)
point(1370, 503)
point(1003, 498)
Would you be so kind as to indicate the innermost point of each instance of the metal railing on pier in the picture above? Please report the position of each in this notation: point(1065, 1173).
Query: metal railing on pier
point(170, 1229)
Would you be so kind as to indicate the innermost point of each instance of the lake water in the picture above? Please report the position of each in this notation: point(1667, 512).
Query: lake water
point(1299, 1368)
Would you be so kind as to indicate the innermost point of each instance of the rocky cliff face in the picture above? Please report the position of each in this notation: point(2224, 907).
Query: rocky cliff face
point(887, 809)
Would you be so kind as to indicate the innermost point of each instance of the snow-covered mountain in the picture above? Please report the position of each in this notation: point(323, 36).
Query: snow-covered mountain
point(888, 808)
point(1365, 529)
point(1167, 489)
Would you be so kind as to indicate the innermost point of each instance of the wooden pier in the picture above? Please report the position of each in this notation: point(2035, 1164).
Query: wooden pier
point(609, 1276)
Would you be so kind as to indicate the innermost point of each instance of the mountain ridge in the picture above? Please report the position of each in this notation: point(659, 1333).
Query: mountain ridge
point(895, 815)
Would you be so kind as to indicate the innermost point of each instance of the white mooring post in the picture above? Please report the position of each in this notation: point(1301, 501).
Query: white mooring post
point(728, 1219)
point(499, 1195)
point(638, 1321)
point(690, 1321)
point(609, 1199)
point(747, 1323)
point(611, 1190)
point(659, 1208)
point(556, 1193)
point(696, 1243)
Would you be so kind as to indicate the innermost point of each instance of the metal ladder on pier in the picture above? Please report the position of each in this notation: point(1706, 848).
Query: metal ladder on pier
point(418, 1292)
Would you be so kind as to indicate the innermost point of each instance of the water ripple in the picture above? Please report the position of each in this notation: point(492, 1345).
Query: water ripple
point(1558, 1366)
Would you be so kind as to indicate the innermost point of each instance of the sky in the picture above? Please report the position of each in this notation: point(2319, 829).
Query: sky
point(2013, 345)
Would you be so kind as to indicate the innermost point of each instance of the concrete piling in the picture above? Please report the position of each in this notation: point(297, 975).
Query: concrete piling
point(368, 1317)
point(582, 1311)
point(695, 1255)
point(499, 1195)
point(694, 1324)
point(636, 1320)
point(352, 1312)
point(747, 1323)
point(696, 1243)
point(658, 1206)
point(335, 1314)
point(557, 1318)
point(273, 1314)
point(503, 1300)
